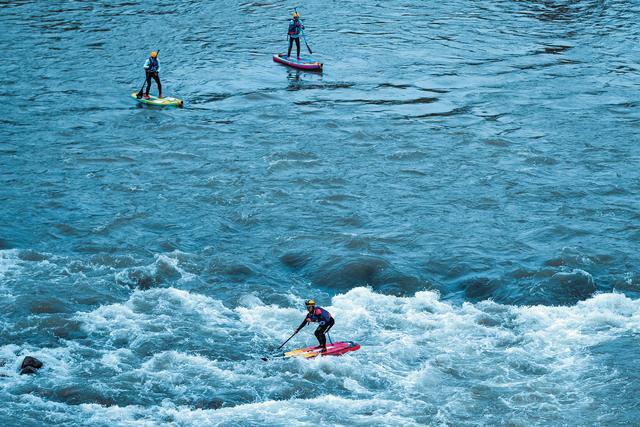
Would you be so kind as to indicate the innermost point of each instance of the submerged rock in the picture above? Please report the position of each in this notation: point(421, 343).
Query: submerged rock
point(30, 365)
point(210, 404)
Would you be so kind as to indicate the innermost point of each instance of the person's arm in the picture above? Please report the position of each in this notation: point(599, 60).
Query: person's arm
point(303, 324)
point(146, 64)
point(158, 70)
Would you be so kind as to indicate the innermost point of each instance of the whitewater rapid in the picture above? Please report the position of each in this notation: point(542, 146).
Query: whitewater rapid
point(168, 355)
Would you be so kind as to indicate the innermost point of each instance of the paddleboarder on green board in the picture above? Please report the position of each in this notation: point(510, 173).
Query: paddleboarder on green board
point(324, 319)
point(152, 70)
point(295, 29)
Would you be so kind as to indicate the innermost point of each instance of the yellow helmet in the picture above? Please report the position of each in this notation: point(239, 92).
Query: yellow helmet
point(296, 15)
point(310, 302)
point(154, 54)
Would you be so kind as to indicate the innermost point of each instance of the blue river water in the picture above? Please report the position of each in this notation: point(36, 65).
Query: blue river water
point(459, 188)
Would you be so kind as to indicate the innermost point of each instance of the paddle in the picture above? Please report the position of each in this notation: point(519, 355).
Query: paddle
point(139, 94)
point(305, 42)
point(302, 32)
point(282, 345)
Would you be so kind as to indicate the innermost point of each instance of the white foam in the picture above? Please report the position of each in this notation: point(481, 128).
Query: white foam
point(115, 360)
point(295, 412)
point(57, 362)
point(162, 264)
point(423, 361)
point(10, 267)
point(153, 314)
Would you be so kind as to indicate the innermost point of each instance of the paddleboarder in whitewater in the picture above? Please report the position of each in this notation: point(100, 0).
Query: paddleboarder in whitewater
point(324, 319)
point(295, 29)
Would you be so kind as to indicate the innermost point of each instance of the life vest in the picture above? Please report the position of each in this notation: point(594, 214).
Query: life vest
point(153, 65)
point(295, 27)
point(319, 315)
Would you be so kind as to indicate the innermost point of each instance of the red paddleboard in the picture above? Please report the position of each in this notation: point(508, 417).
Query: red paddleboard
point(334, 349)
point(303, 63)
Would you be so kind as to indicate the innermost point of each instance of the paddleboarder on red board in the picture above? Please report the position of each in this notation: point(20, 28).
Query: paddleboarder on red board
point(295, 29)
point(324, 319)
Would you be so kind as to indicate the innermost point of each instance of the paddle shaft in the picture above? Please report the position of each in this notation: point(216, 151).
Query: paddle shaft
point(139, 95)
point(305, 42)
point(282, 345)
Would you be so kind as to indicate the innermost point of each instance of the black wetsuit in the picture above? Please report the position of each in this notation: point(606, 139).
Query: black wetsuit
point(291, 39)
point(325, 320)
point(155, 77)
point(152, 73)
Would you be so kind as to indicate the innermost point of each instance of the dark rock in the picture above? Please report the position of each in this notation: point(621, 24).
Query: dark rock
point(28, 370)
point(30, 365)
point(209, 404)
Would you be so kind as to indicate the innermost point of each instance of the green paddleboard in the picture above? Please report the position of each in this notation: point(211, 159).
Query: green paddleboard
point(159, 102)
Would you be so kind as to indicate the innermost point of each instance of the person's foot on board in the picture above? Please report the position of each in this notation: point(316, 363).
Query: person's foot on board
point(160, 96)
point(146, 96)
